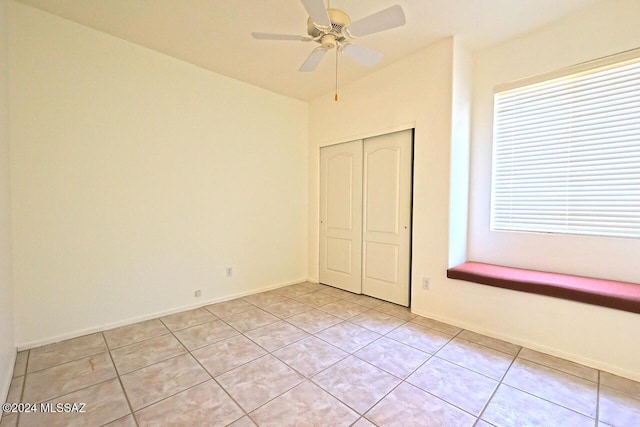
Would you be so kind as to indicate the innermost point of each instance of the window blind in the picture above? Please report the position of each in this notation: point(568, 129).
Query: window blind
point(566, 154)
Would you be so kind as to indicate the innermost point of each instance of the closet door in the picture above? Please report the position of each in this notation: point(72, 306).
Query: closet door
point(386, 252)
point(341, 216)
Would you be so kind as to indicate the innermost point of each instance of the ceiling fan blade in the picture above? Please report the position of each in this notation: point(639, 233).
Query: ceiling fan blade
point(313, 59)
point(317, 12)
point(362, 54)
point(386, 19)
point(269, 36)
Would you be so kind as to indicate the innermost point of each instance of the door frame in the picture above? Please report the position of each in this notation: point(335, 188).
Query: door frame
point(410, 127)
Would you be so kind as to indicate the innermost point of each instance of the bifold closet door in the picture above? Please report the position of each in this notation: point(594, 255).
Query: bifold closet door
point(386, 250)
point(341, 216)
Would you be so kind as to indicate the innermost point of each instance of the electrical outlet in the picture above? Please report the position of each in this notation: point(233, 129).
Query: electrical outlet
point(425, 283)
point(229, 271)
point(197, 293)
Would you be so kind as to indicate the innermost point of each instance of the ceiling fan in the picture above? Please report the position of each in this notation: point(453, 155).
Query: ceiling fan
point(332, 28)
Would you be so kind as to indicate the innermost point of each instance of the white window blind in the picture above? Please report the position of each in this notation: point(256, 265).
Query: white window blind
point(566, 155)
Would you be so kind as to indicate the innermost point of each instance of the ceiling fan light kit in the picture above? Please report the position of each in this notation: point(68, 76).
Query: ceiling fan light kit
point(333, 29)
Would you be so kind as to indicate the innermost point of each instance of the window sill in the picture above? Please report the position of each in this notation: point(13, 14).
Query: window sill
point(605, 293)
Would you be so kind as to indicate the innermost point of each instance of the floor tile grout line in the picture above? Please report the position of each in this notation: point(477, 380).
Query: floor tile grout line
point(435, 354)
point(24, 384)
point(413, 346)
point(279, 348)
point(299, 327)
point(346, 351)
point(155, 363)
point(469, 369)
point(118, 419)
point(353, 354)
point(337, 398)
point(495, 390)
point(443, 399)
point(187, 327)
point(304, 379)
point(69, 361)
point(81, 389)
point(170, 396)
point(484, 346)
point(513, 358)
point(211, 376)
point(562, 371)
point(406, 380)
point(137, 342)
point(310, 379)
point(488, 346)
point(477, 417)
point(391, 373)
point(124, 391)
point(547, 400)
point(532, 394)
point(544, 398)
point(75, 390)
point(315, 373)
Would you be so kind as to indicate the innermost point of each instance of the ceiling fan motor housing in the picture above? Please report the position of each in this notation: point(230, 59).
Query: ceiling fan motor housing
point(329, 37)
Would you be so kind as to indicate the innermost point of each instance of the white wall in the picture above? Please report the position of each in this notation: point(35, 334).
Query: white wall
point(602, 30)
point(137, 178)
point(7, 340)
point(462, 88)
point(428, 89)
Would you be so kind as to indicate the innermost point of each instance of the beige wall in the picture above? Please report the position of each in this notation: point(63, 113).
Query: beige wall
point(429, 89)
point(7, 340)
point(137, 178)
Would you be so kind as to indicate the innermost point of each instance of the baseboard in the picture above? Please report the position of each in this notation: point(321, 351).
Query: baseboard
point(104, 327)
point(596, 364)
point(6, 381)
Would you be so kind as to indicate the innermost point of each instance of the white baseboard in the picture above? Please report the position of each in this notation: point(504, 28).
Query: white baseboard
point(104, 327)
point(596, 364)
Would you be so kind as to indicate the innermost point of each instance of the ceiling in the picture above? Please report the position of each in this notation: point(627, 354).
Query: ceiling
point(216, 34)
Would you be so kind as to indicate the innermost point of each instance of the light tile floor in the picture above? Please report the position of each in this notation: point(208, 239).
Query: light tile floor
point(309, 354)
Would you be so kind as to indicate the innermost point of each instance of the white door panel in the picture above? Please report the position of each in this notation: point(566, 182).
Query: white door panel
point(341, 216)
point(339, 255)
point(387, 217)
point(382, 189)
point(381, 262)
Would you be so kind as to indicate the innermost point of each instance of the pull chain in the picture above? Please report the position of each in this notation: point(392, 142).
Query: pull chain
point(336, 97)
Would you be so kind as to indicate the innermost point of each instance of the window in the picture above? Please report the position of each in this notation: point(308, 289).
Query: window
point(566, 153)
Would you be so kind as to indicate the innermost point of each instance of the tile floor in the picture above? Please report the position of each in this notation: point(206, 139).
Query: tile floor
point(309, 354)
